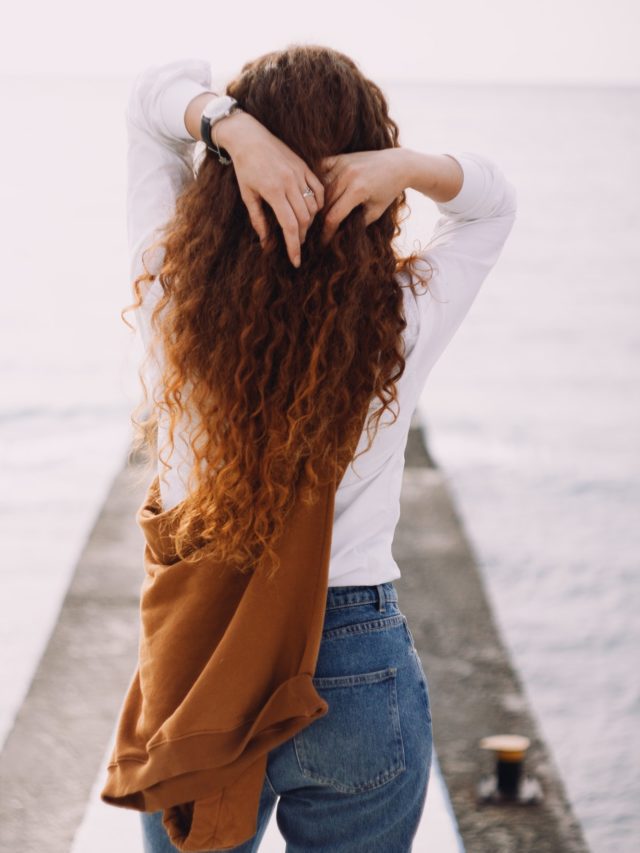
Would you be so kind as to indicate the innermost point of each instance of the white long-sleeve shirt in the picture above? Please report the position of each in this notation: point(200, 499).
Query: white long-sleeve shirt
point(465, 244)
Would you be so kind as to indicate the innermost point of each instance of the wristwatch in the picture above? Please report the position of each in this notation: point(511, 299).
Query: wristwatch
point(218, 107)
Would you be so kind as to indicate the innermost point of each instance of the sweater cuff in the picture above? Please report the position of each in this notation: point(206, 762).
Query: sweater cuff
point(173, 104)
point(474, 185)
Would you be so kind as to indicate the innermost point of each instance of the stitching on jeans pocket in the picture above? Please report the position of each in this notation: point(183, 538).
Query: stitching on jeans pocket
point(380, 624)
point(357, 744)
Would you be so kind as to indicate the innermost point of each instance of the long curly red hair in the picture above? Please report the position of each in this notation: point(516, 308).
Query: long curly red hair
point(280, 365)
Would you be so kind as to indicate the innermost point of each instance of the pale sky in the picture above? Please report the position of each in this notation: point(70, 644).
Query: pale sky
point(465, 40)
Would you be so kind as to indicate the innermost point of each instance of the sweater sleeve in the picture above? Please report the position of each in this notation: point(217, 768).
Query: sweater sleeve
point(160, 160)
point(464, 246)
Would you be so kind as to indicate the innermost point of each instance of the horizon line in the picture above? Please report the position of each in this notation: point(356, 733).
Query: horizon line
point(567, 82)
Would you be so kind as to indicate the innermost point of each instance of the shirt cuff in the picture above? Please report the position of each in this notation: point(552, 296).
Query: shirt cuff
point(173, 104)
point(475, 183)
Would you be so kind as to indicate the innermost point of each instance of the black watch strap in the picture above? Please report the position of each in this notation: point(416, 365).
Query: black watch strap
point(205, 133)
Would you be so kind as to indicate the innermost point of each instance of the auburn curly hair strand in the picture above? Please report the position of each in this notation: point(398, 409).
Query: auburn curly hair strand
point(276, 366)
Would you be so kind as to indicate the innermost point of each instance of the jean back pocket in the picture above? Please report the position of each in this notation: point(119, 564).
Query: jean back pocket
point(357, 744)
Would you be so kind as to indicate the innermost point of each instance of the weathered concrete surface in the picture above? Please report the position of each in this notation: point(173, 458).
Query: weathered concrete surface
point(474, 690)
point(54, 750)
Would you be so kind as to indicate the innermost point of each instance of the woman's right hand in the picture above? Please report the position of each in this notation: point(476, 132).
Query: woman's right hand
point(372, 178)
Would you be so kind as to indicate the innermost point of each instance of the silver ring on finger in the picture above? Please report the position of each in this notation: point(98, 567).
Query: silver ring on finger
point(307, 192)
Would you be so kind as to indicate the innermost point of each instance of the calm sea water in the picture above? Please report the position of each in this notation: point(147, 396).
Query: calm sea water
point(532, 412)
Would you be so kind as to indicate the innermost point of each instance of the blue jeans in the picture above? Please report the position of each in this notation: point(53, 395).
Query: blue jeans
point(355, 780)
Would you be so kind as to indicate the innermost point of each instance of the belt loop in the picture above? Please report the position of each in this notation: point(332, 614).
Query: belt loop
point(381, 597)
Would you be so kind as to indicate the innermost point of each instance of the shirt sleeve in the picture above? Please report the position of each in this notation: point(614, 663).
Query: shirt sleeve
point(160, 160)
point(160, 163)
point(464, 246)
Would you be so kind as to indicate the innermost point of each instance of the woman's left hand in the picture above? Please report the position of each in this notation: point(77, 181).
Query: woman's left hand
point(266, 168)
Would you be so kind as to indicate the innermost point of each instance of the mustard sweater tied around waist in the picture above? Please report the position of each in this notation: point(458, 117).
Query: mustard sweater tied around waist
point(224, 675)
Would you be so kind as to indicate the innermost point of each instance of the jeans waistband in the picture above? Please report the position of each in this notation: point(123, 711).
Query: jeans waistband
point(379, 594)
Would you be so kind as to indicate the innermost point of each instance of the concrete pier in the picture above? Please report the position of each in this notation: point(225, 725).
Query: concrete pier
point(54, 750)
point(53, 758)
point(473, 687)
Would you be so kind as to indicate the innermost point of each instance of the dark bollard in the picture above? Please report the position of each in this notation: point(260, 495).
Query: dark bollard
point(509, 783)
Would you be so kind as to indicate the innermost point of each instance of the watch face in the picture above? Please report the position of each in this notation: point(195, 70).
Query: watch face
point(218, 106)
